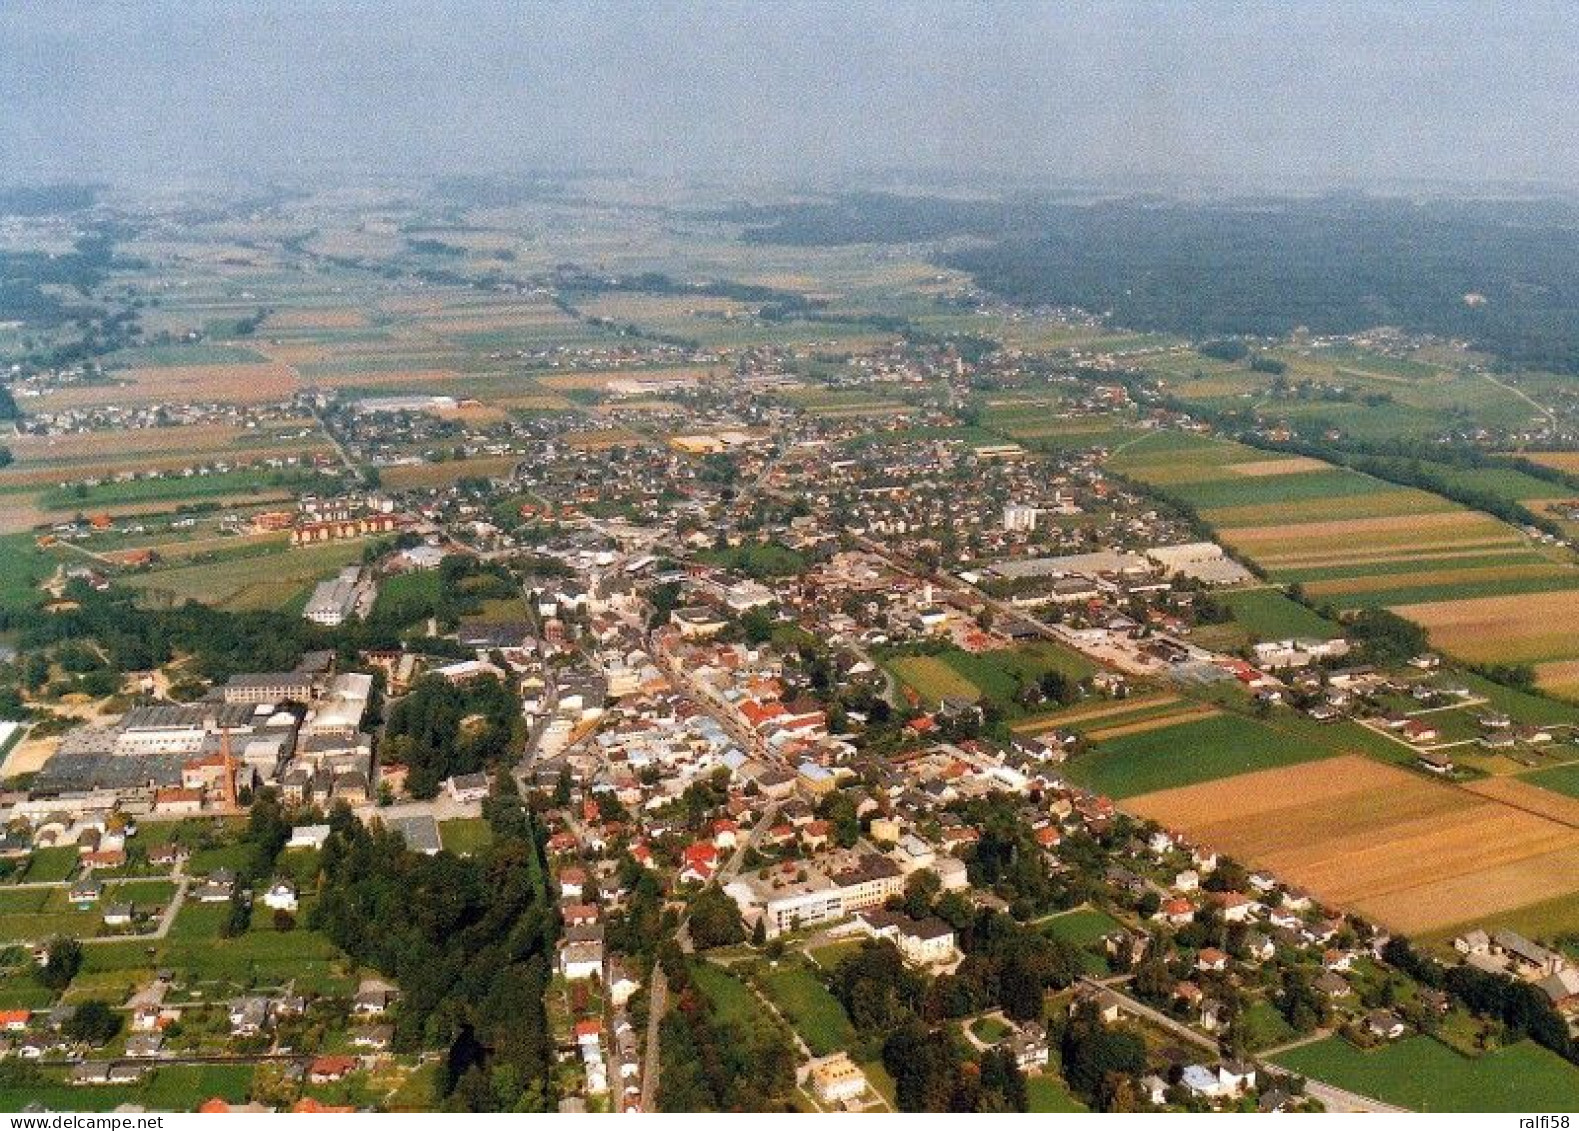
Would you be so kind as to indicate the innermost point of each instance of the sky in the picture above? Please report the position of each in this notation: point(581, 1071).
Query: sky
point(1147, 95)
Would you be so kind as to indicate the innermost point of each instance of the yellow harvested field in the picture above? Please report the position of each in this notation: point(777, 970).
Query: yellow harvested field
point(95, 445)
point(1372, 504)
point(1562, 461)
point(1361, 559)
point(472, 413)
point(1257, 468)
point(407, 476)
point(1449, 530)
point(47, 460)
point(601, 380)
point(253, 382)
point(542, 402)
point(1103, 711)
point(1531, 798)
point(404, 378)
point(296, 353)
point(1528, 627)
point(1414, 854)
point(1560, 677)
point(1161, 722)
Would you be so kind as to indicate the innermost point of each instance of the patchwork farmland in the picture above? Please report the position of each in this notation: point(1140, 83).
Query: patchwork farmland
point(1416, 855)
point(1350, 540)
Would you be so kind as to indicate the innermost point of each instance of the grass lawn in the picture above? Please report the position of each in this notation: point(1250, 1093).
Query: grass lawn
point(1560, 779)
point(49, 864)
point(729, 996)
point(834, 953)
point(1264, 1026)
point(22, 566)
point(175, 488)
point(1047, 1093)
point(805, 1001)
point(1425, 1075)
point(1080, 928)
point(466, 836)
point(989, 1029)
point(258, 581)
point(932, 678)
point(1000, 673)
point(18, 990)
point(757, 559)
point(1542, 921)
point(995, 675)
point(1192, 752)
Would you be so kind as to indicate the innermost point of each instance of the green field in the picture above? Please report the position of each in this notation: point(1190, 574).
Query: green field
point(990, 1029)
point(1264, 1027)
point(466, 836)
point(22, 567)
point(730, 997)
point(47, 865)
point(806, 1003)
point(1047, 1093)
point(1268, 615)
point(1425, 1075)
point(261, 581)
point(996, 676)
point(1081, 928)
point(1561, 779)
point(932, 678)
point(171, 1088)
point(1191, 752)
point(257, 958)
point(757, 559)
point(172, 488)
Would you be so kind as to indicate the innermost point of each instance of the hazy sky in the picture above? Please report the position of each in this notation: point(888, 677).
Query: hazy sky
point(1298, 92)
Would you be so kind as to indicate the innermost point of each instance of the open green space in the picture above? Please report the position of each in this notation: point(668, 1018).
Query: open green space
point(51, 864)
point(1267, 614)
point(730, 997)
point(1191, 752)
point(466, 836)
point(808, 1005)
point(1425, 1075)
point(1048, 1093)
point(176, 1087)
point(1082, 928)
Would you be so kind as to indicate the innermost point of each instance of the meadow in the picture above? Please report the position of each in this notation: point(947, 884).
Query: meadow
point(808, 1005)
point(1195, 750)
point(1423, 1074)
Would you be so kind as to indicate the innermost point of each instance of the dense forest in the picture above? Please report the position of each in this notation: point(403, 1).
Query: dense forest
point(469, 941)
point(439, 729)
point(1255, 267)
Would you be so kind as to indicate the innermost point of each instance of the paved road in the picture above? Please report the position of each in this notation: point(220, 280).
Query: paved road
point(658, 1001)
point(1338, 1100)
